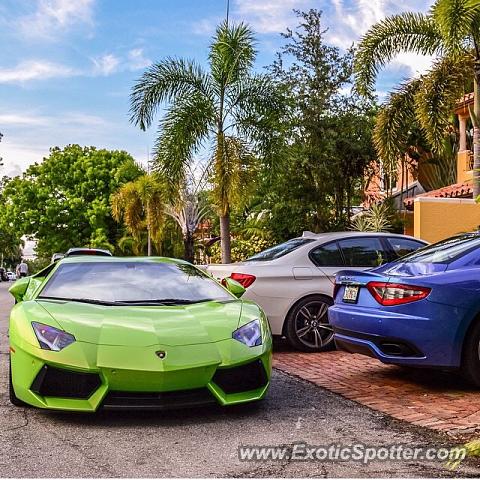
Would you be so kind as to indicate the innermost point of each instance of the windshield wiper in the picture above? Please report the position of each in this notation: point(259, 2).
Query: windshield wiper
point(166, 301)
point(161, 301)
point(81, 300)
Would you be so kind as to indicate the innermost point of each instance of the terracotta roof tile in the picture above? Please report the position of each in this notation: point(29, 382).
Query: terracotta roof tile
point(457, 190)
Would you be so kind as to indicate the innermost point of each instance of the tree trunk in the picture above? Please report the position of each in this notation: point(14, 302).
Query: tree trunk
point(225, 238)
point(188, 244)
point(476, 135)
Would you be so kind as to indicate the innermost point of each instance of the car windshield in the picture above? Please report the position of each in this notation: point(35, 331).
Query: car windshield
point(132, 283)
point(279, 250)
point(445, 251)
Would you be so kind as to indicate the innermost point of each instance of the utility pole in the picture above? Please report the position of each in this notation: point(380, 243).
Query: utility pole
point(228, 11)
point(149, 236)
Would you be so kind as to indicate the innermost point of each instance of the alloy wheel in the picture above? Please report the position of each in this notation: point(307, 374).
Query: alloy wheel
point(311, 325)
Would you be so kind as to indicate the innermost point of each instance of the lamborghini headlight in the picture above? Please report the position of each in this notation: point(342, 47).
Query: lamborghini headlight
point(249, 334)
point(51, 338)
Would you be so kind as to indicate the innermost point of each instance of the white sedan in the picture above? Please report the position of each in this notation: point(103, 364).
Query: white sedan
point(293, 282)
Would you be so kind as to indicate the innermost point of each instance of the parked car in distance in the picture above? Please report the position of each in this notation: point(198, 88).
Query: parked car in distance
point(11, 276)
point(293, 282)
point(3, 275)
point(57, 256)
point(423, 310)
point(75, 252)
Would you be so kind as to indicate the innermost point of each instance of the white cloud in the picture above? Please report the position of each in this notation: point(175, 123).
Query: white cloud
point(29, 135)
point(137, 60)
point(18, 155)
point(54, 16)
point(347, 20)
point(268, 16)
point(205, 26)
point(106, 64)
point(19, 119)
point(34, 70)
point(34, 119)
point(351, 20)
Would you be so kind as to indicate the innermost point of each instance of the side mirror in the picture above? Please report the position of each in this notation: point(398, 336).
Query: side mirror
point(233, 287)
point(19, 288)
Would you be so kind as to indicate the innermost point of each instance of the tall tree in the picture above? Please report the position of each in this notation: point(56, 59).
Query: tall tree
point(208, 107)
point(327, 134)
point(450, 31)
point(140, 205)
point(65, 200)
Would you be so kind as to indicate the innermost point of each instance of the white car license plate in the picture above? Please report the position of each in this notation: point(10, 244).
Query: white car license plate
point(350, 295)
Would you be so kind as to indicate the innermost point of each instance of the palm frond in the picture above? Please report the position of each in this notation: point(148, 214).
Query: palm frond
point(254, 105)
point(393, 124)
point(188, 211)
point(164, 82)
point(139, 204)
point(232, 52)
point(437, 95)
point(234, 173)
point(375, 219)
point(181, 132)
point(406, 32)
point(457, 21)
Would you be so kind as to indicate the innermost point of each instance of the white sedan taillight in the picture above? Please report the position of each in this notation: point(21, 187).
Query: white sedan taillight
point(243, 279)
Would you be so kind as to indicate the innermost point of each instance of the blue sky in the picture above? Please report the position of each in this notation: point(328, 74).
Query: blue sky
point(67, 66)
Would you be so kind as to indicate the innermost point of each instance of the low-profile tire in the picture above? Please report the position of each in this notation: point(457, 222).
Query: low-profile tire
point(14, 400)
point(307, 327)
point(471, 355)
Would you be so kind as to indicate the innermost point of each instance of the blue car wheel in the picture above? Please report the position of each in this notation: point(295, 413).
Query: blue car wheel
point(471, 355)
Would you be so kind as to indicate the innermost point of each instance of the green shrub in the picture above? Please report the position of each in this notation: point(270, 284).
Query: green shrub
point(241, 248)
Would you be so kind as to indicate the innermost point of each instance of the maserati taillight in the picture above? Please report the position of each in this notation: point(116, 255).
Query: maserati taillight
point(336, 288)
point(243, 279)
point(390, 294)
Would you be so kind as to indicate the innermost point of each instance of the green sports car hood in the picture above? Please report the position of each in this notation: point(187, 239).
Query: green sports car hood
point(148, 325)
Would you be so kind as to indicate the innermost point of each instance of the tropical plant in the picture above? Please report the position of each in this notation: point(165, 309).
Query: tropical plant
point(129, 245)
point(376, 219)
point(188, 211)
point(242, 248)
point(398, 133)
point(227, 107)
point(140, 205)
point(450, 31)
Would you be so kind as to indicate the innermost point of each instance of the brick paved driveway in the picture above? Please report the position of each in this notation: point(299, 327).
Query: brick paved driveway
point(438, 400)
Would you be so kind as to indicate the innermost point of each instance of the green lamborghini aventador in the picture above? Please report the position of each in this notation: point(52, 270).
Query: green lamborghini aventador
point(106, 332)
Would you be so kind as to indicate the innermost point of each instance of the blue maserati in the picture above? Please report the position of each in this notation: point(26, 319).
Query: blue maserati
point(422, 310)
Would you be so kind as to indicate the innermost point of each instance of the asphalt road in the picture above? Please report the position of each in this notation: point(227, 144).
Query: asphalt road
point(202, 442)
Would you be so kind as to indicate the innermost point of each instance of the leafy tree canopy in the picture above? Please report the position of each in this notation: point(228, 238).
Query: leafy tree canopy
point(65, 200)
point(327, 135)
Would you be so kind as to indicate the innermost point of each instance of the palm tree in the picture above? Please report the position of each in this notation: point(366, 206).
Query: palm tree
point(451, 32)
point(140, 205)
point(208, 108)
point(188, 211)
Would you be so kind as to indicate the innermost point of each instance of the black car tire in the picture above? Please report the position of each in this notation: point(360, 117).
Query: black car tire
point(471, 355)
point(292, 329)
point(14, 400)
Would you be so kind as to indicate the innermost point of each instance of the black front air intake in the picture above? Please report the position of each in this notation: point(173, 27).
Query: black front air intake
point(56, 382)
point(157, 401)
point(241, 379)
